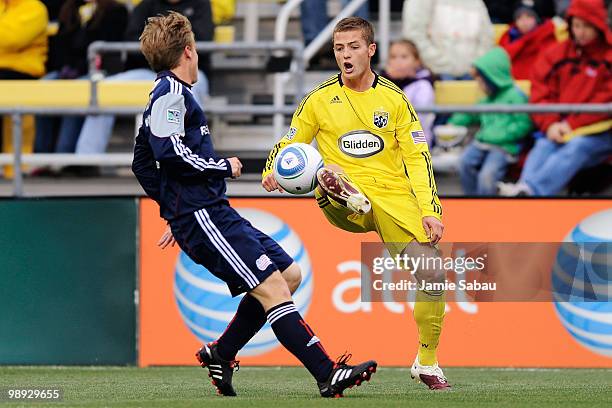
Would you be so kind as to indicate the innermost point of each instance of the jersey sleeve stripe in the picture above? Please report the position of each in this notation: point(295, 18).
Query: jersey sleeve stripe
point(435, 202)
point(194, 160)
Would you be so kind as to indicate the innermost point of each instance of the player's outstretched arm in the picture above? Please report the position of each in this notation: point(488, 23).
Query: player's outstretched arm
point(417, 160)
point(170, 148)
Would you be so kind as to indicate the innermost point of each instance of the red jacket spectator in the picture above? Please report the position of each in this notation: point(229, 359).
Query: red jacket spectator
point(570, 73)
point(525, 50)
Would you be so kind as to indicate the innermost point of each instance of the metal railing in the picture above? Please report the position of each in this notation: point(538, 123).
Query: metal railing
point(295, 48)
point(280, 34)
point(384, 15)
point(17, 159)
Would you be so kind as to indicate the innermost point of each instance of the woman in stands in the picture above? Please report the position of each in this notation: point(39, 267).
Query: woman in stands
point(406, 70)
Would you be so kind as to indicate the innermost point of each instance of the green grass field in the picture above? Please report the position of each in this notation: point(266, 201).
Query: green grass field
point(292, 387)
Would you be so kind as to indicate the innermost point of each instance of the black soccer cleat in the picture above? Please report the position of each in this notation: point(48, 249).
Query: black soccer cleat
point(219, 370)
point(345, 376)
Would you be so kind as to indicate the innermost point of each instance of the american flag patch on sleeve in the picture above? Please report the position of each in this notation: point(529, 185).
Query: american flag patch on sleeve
point(418, 137)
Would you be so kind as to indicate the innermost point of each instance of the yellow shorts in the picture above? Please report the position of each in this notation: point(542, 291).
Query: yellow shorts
point(395, 217)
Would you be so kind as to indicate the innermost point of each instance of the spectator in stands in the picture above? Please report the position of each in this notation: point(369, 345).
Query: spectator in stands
point(80, 23)
point(97, 129)
point(503, 11)
point(313, 14)
point(223, 11)
point(574, 71)
point(450, 34)
point(526, 38)
point(497, 144)
point(405, 69)
point(23, 39)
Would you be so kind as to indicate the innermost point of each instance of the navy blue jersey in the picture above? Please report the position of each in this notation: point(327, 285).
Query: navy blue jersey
point(174, 160)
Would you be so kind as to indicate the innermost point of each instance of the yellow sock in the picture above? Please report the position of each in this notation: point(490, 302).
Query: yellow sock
point(429, 315)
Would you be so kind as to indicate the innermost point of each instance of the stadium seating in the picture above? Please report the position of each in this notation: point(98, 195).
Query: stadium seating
point(72, 93)
point(465, 92)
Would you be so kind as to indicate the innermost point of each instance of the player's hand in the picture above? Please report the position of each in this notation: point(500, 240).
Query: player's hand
point(270, 184)
point(434, 229)
point(166, 239)
point(236, 167)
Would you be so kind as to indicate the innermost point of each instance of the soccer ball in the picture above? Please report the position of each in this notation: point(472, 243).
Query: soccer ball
point(295, 168)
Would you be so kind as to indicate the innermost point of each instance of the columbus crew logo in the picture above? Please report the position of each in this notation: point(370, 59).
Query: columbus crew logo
point(381, 119)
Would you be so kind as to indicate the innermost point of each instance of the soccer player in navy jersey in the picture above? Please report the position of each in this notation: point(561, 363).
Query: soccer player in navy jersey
point(189, 186)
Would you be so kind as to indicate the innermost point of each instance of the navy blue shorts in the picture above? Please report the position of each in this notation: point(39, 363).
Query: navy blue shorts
point(226, 244)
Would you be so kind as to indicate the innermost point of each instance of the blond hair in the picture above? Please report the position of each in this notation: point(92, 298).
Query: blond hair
point(164, 39)
point(356, 23)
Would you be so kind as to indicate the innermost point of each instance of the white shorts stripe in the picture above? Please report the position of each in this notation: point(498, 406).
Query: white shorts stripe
point(223, 251)
point(229, 247)
point(230, 257)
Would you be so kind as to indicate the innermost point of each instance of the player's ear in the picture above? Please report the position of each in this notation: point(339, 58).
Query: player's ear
point(189, 51)
point(372, 49)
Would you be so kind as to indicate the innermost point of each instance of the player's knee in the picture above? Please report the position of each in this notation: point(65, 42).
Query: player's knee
point(272, 291)
point(293, 277)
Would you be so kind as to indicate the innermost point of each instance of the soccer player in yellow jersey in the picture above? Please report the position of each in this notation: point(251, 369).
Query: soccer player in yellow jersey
point(378, 174)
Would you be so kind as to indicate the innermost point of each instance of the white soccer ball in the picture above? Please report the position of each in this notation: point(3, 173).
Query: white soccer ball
point(295, 168)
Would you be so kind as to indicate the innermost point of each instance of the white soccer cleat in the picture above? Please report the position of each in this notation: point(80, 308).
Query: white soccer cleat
point(432, 376)
point(339, 188)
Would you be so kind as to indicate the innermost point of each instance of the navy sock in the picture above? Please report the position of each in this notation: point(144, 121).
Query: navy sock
point(297, 337)
point(249, 319)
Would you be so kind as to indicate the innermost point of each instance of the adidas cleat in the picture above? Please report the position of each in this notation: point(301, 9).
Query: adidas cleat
point(219, 370)
point(431, 376)
point(345, 376)
point(338, 187)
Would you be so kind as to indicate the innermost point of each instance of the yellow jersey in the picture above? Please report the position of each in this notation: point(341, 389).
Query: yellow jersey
point(375, 136)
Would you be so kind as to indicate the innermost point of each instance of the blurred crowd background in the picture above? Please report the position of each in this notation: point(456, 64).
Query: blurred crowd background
point(508, 51)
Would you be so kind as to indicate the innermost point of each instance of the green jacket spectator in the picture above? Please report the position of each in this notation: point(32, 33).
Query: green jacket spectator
point(485, 161)
point(498, 129)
